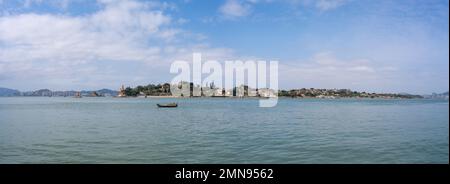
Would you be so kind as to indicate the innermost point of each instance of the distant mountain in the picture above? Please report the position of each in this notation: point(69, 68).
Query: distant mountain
point(43, 92)
point(9, 92)
point(47, 92)
point(438, 96)
point(107, 92)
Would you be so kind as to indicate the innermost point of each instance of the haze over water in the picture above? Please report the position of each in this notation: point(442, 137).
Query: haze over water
point(208, 130)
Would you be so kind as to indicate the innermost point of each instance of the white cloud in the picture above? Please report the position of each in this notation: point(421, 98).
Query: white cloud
point(114, 33)
point(61, 51)
point(321, 5)
point(260, 1)
point(325, 5)
point(63, 3)
point(28, 3)
point(361, 69)
point(234, 9)
point(329, 60)
point(326, 70)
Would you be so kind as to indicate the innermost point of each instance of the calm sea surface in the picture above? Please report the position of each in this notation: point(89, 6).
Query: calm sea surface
point(205, 130)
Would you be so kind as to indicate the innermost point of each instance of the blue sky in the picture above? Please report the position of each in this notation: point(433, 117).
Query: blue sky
point(365, 45)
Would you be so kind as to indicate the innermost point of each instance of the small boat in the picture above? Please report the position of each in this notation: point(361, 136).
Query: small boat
point(169, 105)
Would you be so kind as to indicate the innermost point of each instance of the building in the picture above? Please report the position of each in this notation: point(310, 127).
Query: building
point(266, 92)
point(122, 92)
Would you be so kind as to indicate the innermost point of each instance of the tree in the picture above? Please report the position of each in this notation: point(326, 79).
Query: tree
point(131, 92)
point(140, 88)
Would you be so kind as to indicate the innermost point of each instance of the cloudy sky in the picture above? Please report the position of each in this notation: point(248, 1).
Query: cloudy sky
point(365, 45)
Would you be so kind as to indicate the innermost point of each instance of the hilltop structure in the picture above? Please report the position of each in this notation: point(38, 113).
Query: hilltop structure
point(122, 92)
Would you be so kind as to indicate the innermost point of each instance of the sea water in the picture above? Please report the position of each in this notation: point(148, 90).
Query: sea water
point(222, 130)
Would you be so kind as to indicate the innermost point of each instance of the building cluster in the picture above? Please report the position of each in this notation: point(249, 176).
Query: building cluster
point(245, 91)
point(188, 89)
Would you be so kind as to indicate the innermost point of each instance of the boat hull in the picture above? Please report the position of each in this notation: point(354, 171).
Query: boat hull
point(167, 105)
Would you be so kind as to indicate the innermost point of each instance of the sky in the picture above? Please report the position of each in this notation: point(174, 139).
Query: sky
point(365, 45)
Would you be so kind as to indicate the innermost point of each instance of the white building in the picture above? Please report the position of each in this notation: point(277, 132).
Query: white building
point(265, 92)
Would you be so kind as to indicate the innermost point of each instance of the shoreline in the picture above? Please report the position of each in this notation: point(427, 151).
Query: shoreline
point(234, 97)
point(281, 97)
